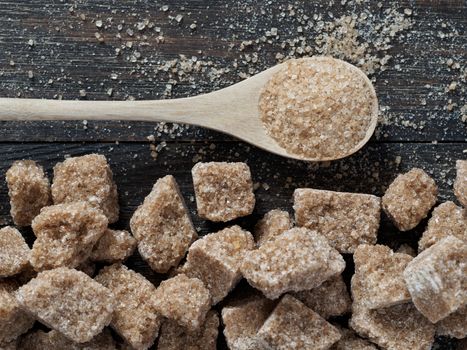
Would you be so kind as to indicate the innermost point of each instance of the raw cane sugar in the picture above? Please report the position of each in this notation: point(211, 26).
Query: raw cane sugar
point(299, 259)
point(29, 191)
point(436, 278)
point(409, 198)
point(162, 226)
point(345, 219)
point(86, 178)
point(215, 259)
point(114, 246)
point(135, 318)
point(183, 300)
point(66, 234)
point(14, 252)
point(318, 107)
point(271, 225)
point(68, 301)
point(223, 191)
point(378, 281)
point(292, 325)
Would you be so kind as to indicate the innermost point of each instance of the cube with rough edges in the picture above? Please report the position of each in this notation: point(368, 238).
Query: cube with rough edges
point(223, 191)
point(86, 178)
point(14, 252)
point(345, 219)
point(436, 278)
point(273, 223)
point(66, 234)
point(409, 198)
point(29, 191)
point(68, 301)
point(162, 226)
point(135, 318)
point(299, 259)
point(292, 325)
point(114, 246)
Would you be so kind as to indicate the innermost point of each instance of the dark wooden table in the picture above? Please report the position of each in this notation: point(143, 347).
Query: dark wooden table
point(59, 49)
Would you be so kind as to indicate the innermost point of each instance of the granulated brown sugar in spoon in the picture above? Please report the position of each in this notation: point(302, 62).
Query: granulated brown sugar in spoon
point(313, 109)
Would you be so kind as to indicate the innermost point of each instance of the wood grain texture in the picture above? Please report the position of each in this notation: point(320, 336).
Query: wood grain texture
point(66, 57)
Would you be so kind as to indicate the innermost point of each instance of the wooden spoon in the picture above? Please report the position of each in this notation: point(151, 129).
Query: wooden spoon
point(232, 110)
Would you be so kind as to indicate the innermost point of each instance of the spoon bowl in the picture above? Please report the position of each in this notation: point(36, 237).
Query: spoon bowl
point(233, 110)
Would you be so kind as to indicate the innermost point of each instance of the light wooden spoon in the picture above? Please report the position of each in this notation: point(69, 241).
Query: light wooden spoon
point(232, 110)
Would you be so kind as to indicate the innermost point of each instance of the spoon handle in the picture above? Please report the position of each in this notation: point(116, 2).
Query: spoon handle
point(200, 110)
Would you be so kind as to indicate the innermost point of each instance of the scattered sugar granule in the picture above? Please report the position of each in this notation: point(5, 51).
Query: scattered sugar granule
point(447, 219)
point(29, 191)
point(272, 225)
point(215, 259)
point(68, 301)
point(318, 107)
point(135, 318)
point(292, 325)
point(54, 340)
point(14, 252)
point(223, 191)
point(409, 198)
point(460, 184)
point(13, 320)
point(331, 298)
point(436, 278)
point(399, 327)
point(183, 300)
point(66, 234)
point(86, 178)
point(350, 341)
point(162, 226)
point(454, 325)
point(378, 281)
point(243, 318)
point(174, 337)
point(345, 219)
point(114, 246)
point(299, 259)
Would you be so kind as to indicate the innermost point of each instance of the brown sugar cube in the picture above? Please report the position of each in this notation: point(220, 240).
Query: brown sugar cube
point(135, 318)
point(299, 259)
point(350, 341)
point(460, 185)
point(447, 219)
point(345, 219)
point(54, 340)
point(454, 325)
point(87, 178)
point(29, 191)
point(162, 226)
point(114, 246)
point(68, 301)
point(331, 298)
point(175, 337)
point(399, 327)
point(272, 225)
point(66, 234)
point(14, 252)
point(183, 300)
point(409, 198)
point(292, 325)
point(215, 259)
point(13, 320)
point(378, 281)
point(436, 278)
point(224, 191)
point(243, 318)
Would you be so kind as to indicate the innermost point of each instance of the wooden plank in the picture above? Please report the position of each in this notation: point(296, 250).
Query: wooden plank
point(67, 52)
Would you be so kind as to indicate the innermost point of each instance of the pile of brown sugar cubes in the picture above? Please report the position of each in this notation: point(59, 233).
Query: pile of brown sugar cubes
point(73, 281)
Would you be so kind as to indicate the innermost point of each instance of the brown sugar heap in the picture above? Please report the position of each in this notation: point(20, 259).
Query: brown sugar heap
point(318, 107)
point(29, 191)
